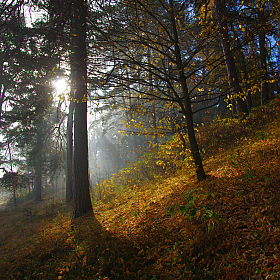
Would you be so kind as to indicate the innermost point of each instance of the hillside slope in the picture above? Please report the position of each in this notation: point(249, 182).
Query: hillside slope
point(170, 227)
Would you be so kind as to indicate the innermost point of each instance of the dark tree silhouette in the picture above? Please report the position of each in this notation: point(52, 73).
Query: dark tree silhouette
point(82, 201)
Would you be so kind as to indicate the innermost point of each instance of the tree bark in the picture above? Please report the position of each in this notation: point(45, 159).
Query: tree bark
point(249, 99)
point(69, 164)
point(186, 105)
point(38, 168)
point(245, 76)
point(264, 75)
point(153, 108)
point(82, 201)
point(38, 184)
point(14, 195)
point(2, 91)
point(263, 53)
point(241, 106)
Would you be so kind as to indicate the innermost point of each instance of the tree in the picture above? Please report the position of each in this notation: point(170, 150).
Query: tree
point(82, 201)
point(13, 180)
point(69, 153)
point(29, 66)
point(263, 52)
point(152, 46)
point(221, 15)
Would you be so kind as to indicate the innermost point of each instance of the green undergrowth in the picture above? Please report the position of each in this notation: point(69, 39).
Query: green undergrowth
point(162, 224)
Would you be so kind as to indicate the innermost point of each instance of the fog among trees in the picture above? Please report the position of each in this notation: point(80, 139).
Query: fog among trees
point(134, 74)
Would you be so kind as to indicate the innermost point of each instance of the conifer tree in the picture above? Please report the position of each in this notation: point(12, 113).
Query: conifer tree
point(82, 201)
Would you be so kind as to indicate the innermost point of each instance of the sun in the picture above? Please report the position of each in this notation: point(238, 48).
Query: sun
point(60, 85)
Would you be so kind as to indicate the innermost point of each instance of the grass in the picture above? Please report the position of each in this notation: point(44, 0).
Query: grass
point(157, 228)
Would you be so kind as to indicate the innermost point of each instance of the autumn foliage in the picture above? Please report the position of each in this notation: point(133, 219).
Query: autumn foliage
point(154, 221)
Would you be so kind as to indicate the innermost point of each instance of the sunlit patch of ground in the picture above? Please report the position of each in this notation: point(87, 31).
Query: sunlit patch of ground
point(146, 232)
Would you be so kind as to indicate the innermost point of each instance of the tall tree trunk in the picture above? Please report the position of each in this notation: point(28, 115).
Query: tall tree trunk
point(11, 168)
point(69, 163)
point(15, 197)
point(153, 109)
point(154, 116)
point(241, 106)
point(264, 75)
point(128, 116)
point(38, 183)
point(245, 76)
point(82, 201)
point(245, 79)
point(38, 168)
point(263, 53)
point(186, 105)
point(2, 91)
point(249, 99)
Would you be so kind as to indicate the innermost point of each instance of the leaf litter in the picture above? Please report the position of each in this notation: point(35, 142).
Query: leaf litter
point(171, 228)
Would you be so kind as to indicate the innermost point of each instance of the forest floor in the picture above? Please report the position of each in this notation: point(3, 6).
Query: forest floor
point(227, 227)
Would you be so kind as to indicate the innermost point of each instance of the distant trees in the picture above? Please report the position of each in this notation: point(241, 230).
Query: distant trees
point(238, 103)
point(59, 30)
point(14, 181)
point(159, 66)
point(249, 41)
point(27, 116)
point(151, 54)
point(186, 62)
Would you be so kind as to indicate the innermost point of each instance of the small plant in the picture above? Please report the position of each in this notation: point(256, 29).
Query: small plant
point(172, 210)
point(235, 159)
point(261, 136)
point(206, 212)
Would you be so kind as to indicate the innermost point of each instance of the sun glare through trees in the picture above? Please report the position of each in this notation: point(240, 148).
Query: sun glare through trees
point(139, 139)
point(60, 85)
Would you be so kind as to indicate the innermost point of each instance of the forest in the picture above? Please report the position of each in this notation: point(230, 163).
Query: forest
point(139, 139)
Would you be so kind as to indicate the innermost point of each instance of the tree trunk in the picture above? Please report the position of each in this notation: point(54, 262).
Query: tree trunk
point(249, 99)
point(38, 168)
point(153, 109)
point(15, 197)
point(69, 164)
point(186, 105)
point(263, 53)
point(245, 80)
point(264, 75)
point(2, 91)
point(82, 201)
point(241, 106)
point(38, 184)
point(154, 116)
